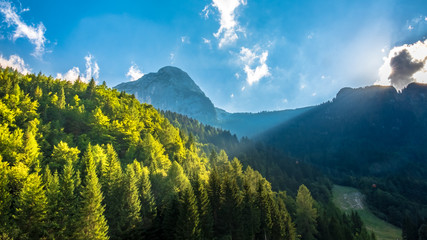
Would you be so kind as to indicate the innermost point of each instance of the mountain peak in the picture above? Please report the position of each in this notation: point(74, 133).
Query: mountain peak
point(172, 89)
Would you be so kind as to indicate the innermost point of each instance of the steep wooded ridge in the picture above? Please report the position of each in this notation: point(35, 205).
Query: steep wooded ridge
point(171, 89)
point(373, 138)
point(81, 161)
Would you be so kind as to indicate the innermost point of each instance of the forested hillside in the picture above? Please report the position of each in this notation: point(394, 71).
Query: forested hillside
point(82, 161)
point(374, 139)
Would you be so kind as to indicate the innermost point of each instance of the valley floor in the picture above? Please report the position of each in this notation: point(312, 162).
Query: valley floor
point(350, 199)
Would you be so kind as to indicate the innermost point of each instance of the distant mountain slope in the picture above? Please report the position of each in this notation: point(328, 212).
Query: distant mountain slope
point(372, 138)
point(172, 89)
point(252, 124)
point(371, 130)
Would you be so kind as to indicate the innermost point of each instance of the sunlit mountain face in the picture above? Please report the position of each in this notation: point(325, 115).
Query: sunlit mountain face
point(213, 119)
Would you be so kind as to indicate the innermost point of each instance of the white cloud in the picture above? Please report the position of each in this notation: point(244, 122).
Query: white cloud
point(185, 39)
point(206, 41)
point(227, 32)
point(134, 73)
point(314, 94)
point(16, 63)
point(302, 86)
point(92, 71)
point(35, 34)
point(206, 11)
point(71, 75)
point(418, 52)
point(243, 88)
point(285, 100)
point(255, 64)
point(232, 95)
point(410, 27)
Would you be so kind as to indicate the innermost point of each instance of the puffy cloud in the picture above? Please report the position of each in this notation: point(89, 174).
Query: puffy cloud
point(71, 75)
point(404, 64)
point(92, 71)
point(134, 73)
point(35, 34)
point(227, 32)
point(16, 63)
point(255, 64)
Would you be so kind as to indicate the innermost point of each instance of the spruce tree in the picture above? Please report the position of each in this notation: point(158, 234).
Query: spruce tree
point(204, 208)
point(188, 226)
point(112, 188)
point(306, 214)
point(132, 205)
point(263, 203)
point(68, 201)
point(52, 186)
point(149, 210)
point(214, 192)
point(31, 209)
point(92, 224)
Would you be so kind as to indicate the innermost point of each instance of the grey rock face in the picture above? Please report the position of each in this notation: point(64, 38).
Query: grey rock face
point(172, 89)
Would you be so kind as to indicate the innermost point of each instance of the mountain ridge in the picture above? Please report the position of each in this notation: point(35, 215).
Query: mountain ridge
point(172, 89)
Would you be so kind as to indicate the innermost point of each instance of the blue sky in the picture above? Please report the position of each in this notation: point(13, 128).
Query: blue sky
point(246, 55)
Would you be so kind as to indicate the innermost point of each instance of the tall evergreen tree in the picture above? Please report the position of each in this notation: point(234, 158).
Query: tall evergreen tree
point(263, 203)
point(93, 224)
point(188, 226)
point(306, 214)
point(31, 208)
point(68, 201)
point(52, 187)
point(204, 208)
point(149, 210)
point(112, 188)
point(214, 192)
point(132, 205)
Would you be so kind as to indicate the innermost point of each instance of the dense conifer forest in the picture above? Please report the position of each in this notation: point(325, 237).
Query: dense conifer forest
point(82, 161)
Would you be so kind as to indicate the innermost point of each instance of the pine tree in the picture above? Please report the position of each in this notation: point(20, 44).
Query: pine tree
point(61, 99)
point(90, 90)
point(231, 208)
point(188, 216)
point(31, 208)
point(250, 213)
point(204, 208)
point(148, 203)
point(112, 188)
point(31, 149)
point(263, 203)
point(68, 201)
point(306, 214)
point(93, 224)
point(214, 192)
point(132, 204)
point(52, 186)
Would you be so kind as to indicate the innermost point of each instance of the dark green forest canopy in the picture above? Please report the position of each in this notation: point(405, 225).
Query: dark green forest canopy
point(82, 161)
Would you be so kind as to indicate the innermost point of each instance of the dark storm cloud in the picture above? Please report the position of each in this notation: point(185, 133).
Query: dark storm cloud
point(403, 66)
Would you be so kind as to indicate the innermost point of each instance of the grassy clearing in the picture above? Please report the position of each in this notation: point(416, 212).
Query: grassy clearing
point(350, 199)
